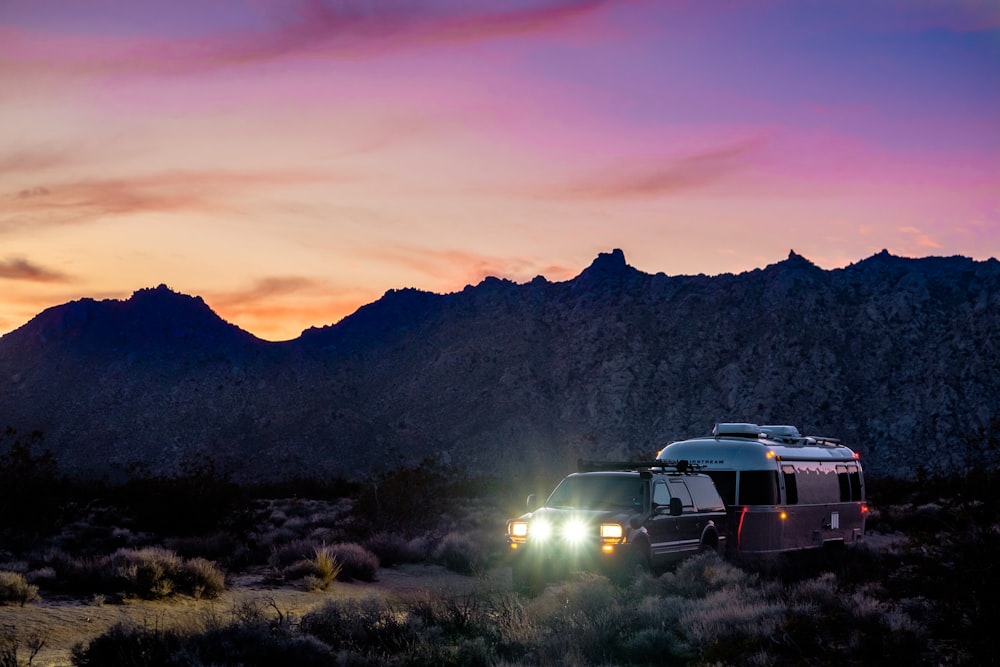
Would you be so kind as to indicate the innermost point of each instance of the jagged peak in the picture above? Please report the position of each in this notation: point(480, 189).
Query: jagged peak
point(795, 259)
point(610, 261)
point(607, 266)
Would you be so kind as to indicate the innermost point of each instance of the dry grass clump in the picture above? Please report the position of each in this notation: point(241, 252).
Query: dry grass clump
point(317, 571)
point(345, 561)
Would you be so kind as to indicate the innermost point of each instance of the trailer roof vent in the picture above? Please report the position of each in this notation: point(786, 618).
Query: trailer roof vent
point(736, 430)
point(780, 432)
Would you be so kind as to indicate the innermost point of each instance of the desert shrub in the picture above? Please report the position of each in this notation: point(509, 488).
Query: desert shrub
point(150, 573)
point(583, 618)
point(462, 553)
point(291, 552)
point(15, 588)
point(128, 645)
point(249, 644)
point(356, 562)
point(13, 640)
point(393, 549)
point(702, 574)
point(201, 578)
point(368, 627)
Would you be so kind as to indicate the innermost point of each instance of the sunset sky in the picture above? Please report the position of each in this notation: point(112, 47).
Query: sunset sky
point(291, 160)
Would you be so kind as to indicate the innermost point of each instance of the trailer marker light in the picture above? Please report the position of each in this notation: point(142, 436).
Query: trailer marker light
point(783, 515)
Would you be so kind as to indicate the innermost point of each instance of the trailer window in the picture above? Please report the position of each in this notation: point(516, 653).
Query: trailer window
point(725, 483)
point(791, 488)
point(818, 483)
point(849, 478)
point(845, 484)
point(758, 487)
point(855, 475)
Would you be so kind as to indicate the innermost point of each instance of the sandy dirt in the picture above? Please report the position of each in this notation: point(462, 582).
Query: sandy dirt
point(68, 621)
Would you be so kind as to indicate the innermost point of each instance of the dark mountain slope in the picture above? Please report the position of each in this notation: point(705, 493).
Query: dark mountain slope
point(896, 356)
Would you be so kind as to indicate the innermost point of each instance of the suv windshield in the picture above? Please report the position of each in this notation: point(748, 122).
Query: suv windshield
point(598, 492)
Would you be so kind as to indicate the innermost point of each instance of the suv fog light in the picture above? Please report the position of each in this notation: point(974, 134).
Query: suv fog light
point(612, 532)
point(519, 529)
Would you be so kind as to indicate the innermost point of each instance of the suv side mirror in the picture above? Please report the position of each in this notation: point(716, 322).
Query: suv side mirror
point(676, 509)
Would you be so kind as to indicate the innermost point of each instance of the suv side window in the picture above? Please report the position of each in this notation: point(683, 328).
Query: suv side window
point(661, 496)
point(705, 495)
point(678, 490)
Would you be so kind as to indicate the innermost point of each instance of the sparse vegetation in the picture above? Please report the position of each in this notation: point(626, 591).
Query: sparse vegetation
point(919, 592)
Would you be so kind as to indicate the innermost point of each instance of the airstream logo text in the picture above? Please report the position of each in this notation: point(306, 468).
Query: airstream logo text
point(707, 461)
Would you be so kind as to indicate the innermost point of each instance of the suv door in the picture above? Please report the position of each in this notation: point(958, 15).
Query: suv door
point(661, 527)
point(689, 524)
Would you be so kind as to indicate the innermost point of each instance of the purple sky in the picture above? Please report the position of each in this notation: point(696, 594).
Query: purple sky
point(290, 160)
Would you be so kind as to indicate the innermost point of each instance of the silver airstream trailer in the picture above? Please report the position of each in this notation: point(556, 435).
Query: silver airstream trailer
point(784, 491)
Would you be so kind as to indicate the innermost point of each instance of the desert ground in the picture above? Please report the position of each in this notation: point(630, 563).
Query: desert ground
point(65, 622)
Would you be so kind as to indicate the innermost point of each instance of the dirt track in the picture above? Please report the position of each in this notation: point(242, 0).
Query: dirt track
point(67, 622)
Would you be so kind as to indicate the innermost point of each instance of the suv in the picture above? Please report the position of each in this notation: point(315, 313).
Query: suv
point(616, 517)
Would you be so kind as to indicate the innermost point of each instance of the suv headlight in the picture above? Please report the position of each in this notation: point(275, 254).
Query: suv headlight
point(540, 529)
point(612, 533)
point(575, 531)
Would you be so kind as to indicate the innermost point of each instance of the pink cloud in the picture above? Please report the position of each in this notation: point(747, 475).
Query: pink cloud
point(312, 27)
point(641, 178)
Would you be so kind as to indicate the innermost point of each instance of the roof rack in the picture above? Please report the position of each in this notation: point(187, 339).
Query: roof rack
point(682, 466)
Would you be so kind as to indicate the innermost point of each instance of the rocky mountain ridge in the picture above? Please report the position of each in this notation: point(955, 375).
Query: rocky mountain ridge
point(896, 356)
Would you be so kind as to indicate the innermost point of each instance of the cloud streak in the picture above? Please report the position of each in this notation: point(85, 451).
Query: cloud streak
point(169, 192)
point(641, 179)
point(23, 270)
point(333, 28)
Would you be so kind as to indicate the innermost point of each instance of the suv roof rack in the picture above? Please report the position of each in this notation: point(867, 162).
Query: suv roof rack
point(682, 466)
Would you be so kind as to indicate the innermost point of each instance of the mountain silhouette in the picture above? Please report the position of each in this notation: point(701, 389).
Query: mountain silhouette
point(896, 356)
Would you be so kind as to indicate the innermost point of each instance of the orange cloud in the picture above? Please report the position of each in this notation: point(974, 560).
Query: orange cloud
point(922, 239)
point(461, 267)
